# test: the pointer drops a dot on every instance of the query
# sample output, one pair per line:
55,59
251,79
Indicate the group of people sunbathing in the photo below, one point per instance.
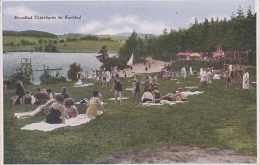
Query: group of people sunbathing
154,96
56,107
40,97
59,109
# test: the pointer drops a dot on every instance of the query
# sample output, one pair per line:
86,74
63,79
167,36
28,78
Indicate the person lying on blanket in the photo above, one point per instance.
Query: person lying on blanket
95,107
71,109
46,108
171,97
57,113
182,95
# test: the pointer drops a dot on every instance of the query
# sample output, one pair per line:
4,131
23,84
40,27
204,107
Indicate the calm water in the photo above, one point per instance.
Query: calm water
87,61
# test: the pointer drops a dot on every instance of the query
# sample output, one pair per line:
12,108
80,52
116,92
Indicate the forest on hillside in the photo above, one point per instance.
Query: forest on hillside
237,33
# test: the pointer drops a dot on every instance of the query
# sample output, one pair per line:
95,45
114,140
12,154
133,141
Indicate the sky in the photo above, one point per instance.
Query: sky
113,17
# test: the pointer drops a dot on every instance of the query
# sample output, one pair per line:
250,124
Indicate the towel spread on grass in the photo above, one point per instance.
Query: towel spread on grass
192,93
43,126
164,102
123,98
190,87
216,77
83,85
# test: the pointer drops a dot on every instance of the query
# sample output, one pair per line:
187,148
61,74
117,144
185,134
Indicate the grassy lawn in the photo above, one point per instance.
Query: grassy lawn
216,118
70,47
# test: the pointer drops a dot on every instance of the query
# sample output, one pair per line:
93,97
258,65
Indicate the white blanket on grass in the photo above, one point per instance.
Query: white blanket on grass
43,126
83,85
192,93
164,102
123,98
190,87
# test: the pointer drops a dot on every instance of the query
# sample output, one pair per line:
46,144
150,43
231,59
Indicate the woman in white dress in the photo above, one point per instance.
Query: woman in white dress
246,81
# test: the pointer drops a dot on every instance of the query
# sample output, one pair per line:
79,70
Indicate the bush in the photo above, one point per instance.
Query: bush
196,65
25,79
72,72
46,78
50,48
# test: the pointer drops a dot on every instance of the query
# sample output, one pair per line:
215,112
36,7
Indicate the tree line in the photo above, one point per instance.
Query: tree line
237,33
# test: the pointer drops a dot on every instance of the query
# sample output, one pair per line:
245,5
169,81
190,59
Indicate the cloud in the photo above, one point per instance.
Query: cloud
19,11
121,24
90,27
113,31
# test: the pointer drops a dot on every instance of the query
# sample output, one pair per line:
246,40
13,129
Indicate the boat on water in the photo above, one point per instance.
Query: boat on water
131,60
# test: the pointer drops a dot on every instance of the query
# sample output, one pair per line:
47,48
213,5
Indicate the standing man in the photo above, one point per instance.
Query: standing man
118,88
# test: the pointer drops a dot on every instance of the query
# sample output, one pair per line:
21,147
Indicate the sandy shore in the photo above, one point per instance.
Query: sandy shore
155,67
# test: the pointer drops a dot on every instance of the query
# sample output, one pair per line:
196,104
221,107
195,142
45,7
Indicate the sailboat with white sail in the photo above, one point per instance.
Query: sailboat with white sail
131,60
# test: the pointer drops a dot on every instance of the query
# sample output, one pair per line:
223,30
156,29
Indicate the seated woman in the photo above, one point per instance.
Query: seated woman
27,98
182,95
95,107
46,108
156,95
147,97
171,97
57,113
71,109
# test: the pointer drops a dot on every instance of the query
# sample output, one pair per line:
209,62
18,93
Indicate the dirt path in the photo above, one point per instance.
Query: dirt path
179,154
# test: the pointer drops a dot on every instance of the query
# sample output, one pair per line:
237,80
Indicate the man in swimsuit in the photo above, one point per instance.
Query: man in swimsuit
171,97
182,95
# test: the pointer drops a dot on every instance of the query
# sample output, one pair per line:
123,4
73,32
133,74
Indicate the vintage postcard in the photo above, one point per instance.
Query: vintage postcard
129,82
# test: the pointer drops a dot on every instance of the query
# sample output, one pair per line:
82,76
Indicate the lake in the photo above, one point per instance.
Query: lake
87,61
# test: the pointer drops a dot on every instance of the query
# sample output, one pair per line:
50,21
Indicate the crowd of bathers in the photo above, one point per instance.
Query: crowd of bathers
60,105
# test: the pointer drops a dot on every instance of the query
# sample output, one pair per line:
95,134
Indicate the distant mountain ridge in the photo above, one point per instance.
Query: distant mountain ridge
35,33
29,33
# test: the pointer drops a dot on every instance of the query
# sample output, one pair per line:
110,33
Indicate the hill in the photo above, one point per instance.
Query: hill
29,33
